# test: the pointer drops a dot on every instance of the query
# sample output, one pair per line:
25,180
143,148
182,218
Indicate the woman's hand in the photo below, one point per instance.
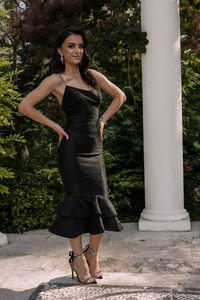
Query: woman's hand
111,89
61,133
101,128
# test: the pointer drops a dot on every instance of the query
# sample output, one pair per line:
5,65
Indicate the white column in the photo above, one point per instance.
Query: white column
162,119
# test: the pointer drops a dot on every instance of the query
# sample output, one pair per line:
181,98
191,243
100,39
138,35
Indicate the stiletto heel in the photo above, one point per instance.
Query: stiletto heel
93,251
71,262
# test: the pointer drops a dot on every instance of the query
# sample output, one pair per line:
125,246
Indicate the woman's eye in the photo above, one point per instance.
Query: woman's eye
73,46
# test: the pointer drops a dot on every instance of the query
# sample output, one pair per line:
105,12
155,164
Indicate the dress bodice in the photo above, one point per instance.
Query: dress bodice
81,103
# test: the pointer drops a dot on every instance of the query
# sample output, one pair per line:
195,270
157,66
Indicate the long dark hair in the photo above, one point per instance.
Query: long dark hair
57,66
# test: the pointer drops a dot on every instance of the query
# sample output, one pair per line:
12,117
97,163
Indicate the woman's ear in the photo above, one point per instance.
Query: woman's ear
59,51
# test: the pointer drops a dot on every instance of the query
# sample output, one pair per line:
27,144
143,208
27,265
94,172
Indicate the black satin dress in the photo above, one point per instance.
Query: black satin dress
86,207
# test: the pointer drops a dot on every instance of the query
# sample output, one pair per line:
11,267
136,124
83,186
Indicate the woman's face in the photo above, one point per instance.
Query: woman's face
72,49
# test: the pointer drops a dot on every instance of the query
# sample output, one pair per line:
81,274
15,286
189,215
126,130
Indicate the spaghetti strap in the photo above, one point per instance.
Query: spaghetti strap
62,79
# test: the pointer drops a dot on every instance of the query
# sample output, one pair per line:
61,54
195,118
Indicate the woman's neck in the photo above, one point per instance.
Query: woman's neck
72,71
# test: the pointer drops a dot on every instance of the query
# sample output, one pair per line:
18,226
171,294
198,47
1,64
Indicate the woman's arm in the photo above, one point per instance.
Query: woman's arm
118,96
26,107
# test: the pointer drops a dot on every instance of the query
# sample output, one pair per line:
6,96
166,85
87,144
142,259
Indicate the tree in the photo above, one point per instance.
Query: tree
190,24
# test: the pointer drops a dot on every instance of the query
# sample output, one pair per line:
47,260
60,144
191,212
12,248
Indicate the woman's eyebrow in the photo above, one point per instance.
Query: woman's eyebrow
74,43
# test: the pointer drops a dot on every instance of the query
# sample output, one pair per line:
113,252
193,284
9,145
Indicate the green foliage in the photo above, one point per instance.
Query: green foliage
191,128
191,79
9,100
118,30
3,14
34,197
31,203
126,187
190,23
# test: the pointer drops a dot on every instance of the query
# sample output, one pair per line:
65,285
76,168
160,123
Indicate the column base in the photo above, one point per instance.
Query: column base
165,224
3,239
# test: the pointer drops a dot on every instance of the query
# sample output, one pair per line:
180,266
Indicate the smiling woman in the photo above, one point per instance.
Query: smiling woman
86,207
71,48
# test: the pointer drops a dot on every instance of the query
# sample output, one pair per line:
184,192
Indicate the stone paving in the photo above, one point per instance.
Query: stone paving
130,258
102,292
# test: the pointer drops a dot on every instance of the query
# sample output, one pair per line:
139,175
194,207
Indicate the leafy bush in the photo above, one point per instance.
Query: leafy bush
32,201
9,100
126,187
191,130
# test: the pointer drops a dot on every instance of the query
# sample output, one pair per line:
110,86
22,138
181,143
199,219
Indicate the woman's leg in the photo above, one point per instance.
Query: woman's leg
94,242
80,264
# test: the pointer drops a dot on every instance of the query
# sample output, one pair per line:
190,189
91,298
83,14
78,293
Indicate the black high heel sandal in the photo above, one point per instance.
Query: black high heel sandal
71,262
93,251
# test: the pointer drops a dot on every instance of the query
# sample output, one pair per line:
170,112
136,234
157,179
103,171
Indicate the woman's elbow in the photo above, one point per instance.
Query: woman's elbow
123,97
22,108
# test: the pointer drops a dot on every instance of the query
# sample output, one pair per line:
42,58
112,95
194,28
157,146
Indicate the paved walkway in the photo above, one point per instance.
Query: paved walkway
137,265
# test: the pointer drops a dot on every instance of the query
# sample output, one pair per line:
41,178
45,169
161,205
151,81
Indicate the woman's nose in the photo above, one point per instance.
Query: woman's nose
77,50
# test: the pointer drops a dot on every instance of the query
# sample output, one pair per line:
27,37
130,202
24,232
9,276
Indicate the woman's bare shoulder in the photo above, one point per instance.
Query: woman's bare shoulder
52,80
100,78
105,84
94,72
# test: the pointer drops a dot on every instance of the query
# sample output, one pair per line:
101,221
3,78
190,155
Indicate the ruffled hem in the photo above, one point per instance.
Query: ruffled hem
73,227
83,207
79,215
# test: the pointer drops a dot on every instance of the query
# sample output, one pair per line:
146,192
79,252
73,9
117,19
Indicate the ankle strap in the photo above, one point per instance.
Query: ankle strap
72,255
93,251
88,248
79,256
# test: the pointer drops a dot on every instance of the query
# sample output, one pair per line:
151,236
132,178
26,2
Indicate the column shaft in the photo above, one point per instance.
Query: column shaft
162,118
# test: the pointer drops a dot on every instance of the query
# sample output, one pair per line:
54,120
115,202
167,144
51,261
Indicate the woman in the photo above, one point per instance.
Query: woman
86,207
